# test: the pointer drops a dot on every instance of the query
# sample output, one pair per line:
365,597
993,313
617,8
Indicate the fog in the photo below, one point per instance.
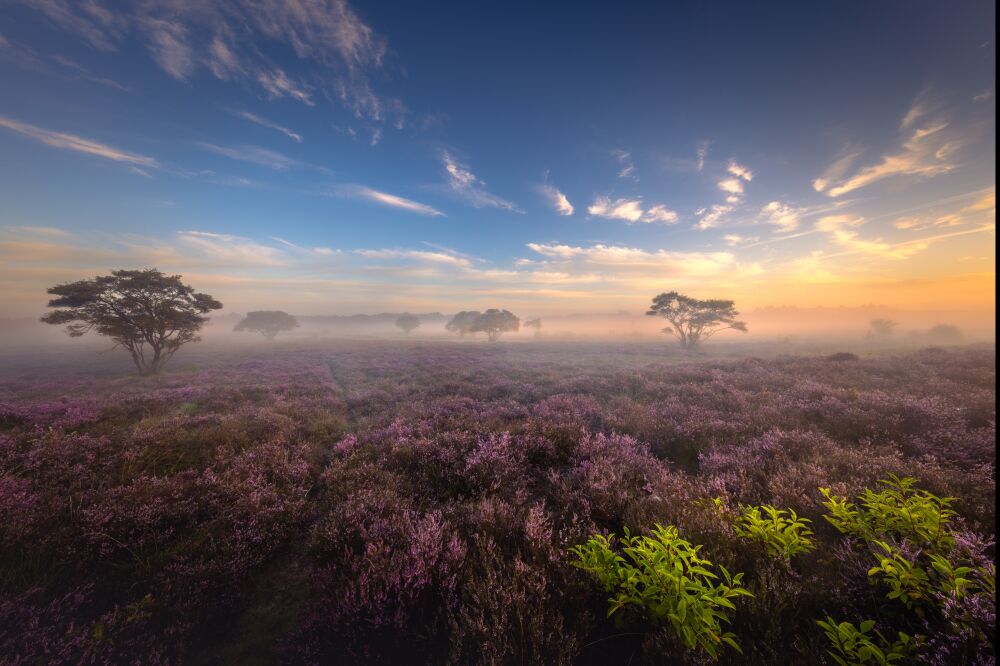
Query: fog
28,344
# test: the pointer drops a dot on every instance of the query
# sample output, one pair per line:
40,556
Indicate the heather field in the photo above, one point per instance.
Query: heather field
387,502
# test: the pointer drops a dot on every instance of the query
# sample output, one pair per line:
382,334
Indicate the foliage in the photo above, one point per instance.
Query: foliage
407,322
783,533
899,510
267,322
693,321
461,323
858,645
883,327
664,577
494,322
144,311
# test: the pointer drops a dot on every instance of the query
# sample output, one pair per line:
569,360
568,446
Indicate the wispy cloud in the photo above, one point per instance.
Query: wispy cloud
466,185
925,152
701,154
220,36
264,122
626,167
559,202
843,232
386,199
227,248
631,211
84,73
835,171
260,156
740,171
77,144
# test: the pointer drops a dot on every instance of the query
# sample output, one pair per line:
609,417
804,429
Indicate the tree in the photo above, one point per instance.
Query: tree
694,321
267,322
882,328
462,322
407,322
144,311
494,322
536,324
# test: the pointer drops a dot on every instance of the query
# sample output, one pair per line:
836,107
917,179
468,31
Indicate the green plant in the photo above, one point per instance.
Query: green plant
664,577
898,509
854,646
907,581
781,531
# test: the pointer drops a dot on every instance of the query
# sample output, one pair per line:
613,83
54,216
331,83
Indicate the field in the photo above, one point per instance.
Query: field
407,502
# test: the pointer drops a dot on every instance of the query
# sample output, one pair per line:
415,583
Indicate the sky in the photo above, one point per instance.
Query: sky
326,157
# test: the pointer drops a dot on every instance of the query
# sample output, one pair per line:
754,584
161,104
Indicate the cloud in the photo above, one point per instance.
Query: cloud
278,85
264,122
660,213
386,199
557,199
614,259
221,36
731,185
924,152
983,96
465,184
835,171
842,230
702,154
983,209
231,249
740,171
631,211
626,166
781,215
710,217
86,74
259,156
440,258
77,144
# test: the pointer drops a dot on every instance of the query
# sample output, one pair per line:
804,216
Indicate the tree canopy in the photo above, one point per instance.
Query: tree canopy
883,327
494,322
693,321
267,322
461,323
407,322
144,311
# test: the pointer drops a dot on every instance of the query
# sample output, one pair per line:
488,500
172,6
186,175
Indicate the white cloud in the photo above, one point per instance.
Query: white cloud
559,202
842,230
631,211
710,217
77,144
702,154
168,42
740,171
264,122
278,85
781,215
387,199
660,213
983,96
731,185
465,184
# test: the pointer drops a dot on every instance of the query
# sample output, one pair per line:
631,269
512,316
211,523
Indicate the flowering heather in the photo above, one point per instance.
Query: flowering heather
365,502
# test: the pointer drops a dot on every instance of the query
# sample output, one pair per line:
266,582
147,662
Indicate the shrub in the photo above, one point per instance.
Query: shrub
664,577
852,646
781,531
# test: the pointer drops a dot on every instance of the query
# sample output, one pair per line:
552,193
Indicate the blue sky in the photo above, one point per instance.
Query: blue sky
339,157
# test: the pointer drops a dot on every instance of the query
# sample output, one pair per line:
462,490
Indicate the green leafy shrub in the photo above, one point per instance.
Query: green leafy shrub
664,578
899,510
854,646
781,531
